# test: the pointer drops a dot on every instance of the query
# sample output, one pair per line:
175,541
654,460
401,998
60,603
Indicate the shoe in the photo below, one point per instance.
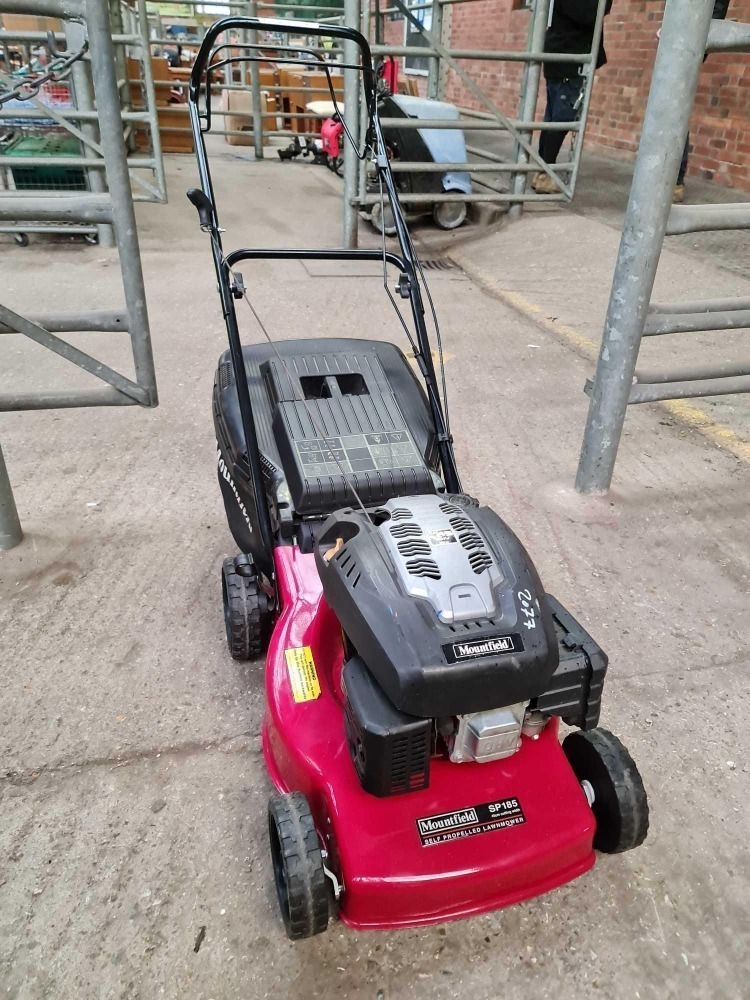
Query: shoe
544,184
678,195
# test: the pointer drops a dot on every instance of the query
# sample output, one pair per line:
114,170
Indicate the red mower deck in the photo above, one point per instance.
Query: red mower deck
391,879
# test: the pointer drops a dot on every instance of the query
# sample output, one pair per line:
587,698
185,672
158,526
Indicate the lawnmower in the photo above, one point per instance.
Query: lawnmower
402,143
416,670
424,145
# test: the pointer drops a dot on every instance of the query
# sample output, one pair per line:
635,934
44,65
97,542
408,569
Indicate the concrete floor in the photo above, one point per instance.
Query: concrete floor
558,268
132,789
602,192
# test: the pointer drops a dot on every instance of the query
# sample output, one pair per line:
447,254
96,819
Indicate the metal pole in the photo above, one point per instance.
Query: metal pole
10,526
364,28
351,110
528,99
446,28
104,73
252,10
159,25
84,101
149,100
678,61
433,72
115,23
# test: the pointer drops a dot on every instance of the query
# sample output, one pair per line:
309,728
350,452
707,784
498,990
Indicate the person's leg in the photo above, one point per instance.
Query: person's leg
563,101
565,108
543,135
684,162
679,188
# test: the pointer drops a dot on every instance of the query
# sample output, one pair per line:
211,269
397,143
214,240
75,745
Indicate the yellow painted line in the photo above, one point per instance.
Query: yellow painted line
447,356
721,435
522,305
681,409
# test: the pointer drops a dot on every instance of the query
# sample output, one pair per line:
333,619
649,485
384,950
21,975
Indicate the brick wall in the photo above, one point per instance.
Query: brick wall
720,124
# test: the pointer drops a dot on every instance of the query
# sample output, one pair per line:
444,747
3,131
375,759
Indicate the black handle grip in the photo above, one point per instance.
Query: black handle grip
201,201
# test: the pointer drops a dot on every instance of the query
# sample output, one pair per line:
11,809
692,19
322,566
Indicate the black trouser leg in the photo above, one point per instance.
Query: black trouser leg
684,162
563,101
550,144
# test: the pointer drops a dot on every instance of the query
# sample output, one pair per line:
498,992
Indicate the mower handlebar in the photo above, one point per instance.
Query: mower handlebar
281,24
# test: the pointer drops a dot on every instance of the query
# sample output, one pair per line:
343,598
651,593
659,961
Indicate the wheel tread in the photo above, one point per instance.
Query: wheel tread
246,620
307,891
633,812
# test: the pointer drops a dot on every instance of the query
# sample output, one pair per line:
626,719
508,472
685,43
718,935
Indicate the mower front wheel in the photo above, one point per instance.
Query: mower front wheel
619,805
247,611
297,866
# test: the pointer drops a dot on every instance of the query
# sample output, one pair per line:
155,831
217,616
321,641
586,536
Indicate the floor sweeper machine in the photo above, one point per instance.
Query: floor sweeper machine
416,671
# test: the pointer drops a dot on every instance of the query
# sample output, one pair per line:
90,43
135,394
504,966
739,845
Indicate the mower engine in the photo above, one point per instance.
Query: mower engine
453,646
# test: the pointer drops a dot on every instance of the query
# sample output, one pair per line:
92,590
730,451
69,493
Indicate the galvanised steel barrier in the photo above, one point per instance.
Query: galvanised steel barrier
525,159
485,166
113,208
687,34
81,121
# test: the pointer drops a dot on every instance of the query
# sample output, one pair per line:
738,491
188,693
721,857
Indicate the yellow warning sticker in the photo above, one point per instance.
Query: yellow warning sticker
302,673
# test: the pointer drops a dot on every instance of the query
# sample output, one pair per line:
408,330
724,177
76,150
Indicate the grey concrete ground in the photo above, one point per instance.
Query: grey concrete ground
132,790
559,268
602,194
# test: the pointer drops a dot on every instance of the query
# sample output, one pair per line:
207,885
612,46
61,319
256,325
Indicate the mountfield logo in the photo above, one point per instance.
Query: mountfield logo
502,645
446,827
493,645
448,821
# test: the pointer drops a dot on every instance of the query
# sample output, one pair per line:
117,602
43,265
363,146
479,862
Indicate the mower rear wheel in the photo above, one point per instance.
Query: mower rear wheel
449,214
297,866
620,805
247,614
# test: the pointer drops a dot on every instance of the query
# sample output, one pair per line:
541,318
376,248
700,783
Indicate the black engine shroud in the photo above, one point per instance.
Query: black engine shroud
430,667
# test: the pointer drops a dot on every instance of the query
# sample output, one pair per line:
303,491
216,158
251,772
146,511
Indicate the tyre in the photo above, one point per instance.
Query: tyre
297,866
22,239
449,214
382,219
247,611
620,805
336,164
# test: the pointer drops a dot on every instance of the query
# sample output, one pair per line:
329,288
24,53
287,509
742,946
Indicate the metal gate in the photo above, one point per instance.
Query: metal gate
115,209
687,34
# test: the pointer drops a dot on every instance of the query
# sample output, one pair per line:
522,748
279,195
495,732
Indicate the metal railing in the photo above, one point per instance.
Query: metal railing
486,166
82,119
115,209
524,158
687,34
259,132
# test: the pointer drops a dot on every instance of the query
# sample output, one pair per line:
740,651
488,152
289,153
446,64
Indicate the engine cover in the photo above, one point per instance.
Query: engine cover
442,603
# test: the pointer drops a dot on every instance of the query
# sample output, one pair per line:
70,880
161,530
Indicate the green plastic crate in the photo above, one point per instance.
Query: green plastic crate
40,178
